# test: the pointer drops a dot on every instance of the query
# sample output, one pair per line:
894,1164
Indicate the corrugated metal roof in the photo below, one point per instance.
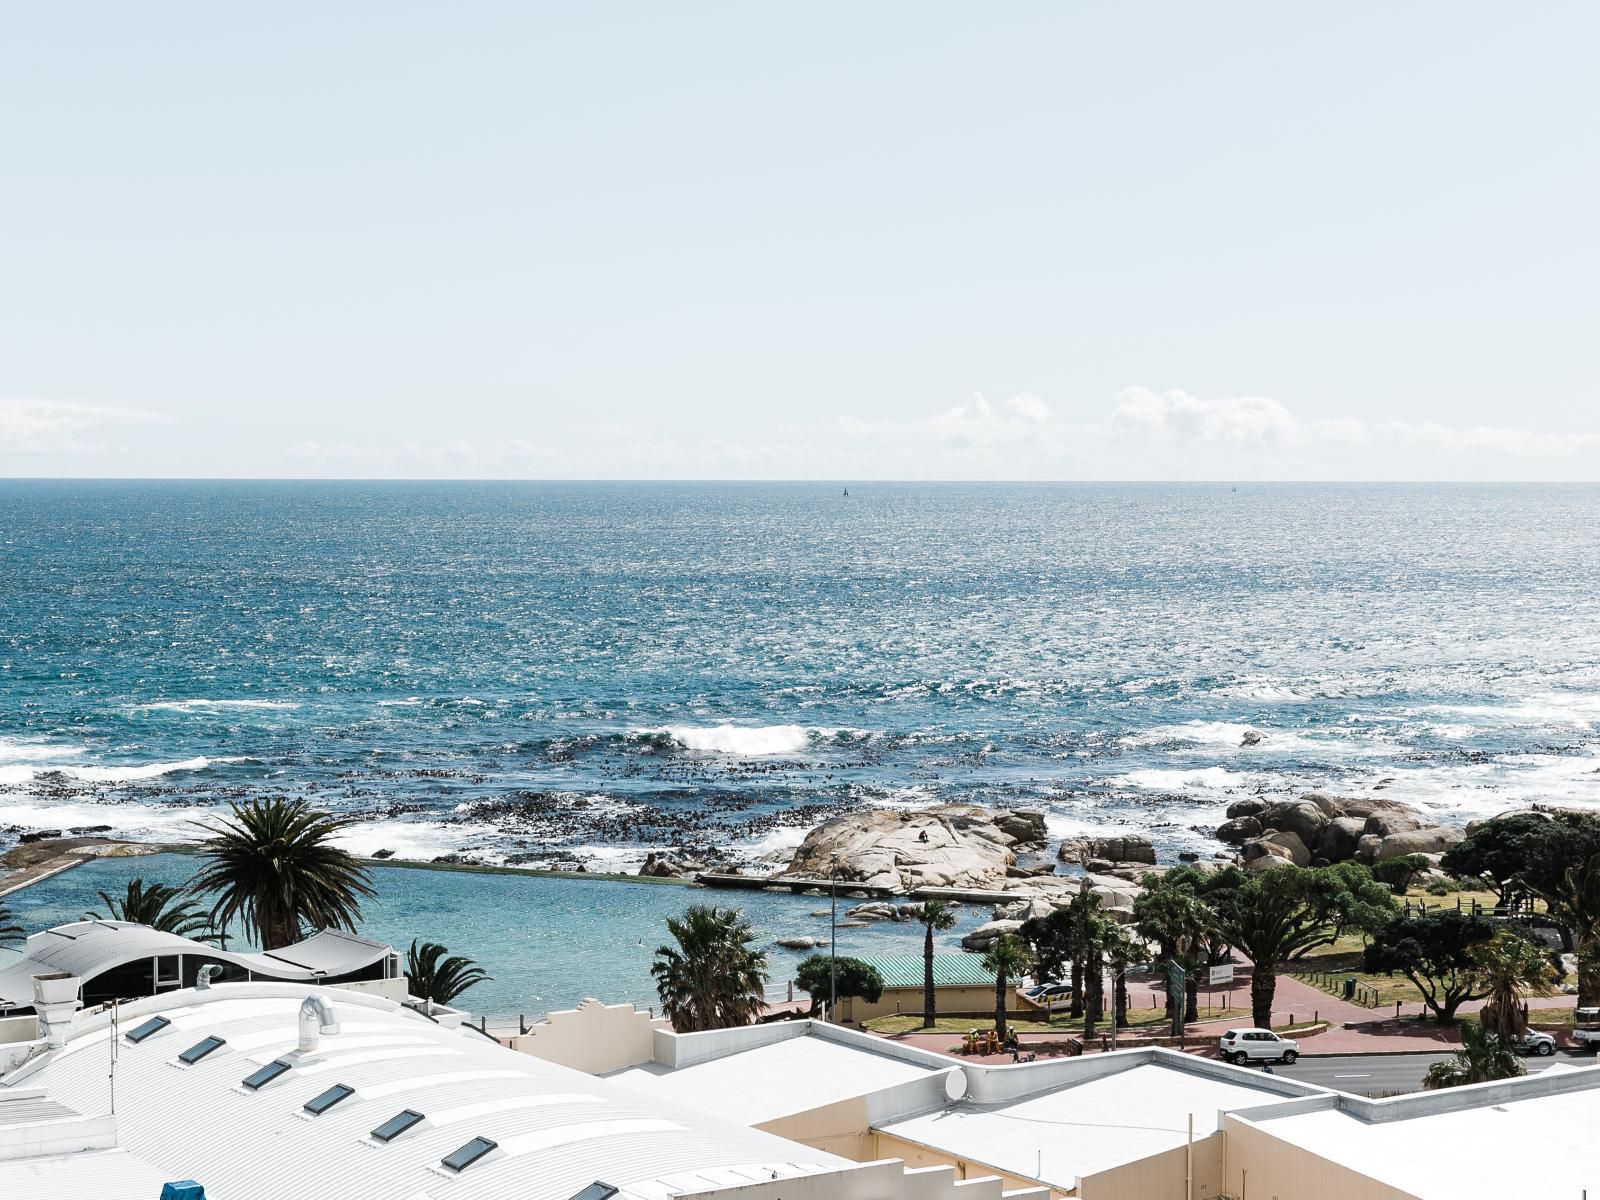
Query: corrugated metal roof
199,1123
949,970
101,1174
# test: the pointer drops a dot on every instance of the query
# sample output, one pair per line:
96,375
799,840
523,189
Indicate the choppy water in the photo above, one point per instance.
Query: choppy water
532,672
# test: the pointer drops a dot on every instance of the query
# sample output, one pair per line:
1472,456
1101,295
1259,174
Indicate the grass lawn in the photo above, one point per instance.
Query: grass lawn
1343,958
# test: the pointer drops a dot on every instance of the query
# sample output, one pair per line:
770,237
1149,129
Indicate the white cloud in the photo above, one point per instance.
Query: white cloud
1141,434
29,425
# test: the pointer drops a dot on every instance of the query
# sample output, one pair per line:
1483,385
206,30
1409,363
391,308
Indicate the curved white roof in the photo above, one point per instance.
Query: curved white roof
88,948
557,1130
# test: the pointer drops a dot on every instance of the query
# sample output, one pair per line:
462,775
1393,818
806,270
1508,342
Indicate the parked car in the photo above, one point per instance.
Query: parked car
1043,993
1587,1031
1245,1045
1534,1042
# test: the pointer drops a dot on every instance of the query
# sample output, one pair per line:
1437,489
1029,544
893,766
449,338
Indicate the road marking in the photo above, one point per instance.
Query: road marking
1352,1076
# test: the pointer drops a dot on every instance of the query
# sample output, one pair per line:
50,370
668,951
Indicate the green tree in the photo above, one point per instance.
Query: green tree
714,978
1511,967
160,906
818,975
1574,902
1008,958
1434,953
1170,913
436,975
1275,916
1482,1057
1501,849
10,931
276,869
1396,873
934,915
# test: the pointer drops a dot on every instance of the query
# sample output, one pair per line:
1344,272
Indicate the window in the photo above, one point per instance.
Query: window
596,1191
266,1074
396,1125
460,1160
153,1025
321,1103
200,1049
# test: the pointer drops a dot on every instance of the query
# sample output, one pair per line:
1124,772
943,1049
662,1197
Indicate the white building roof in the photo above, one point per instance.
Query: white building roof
771,1081
90,948
1539,1146
102,1174
1063,1134
557,1130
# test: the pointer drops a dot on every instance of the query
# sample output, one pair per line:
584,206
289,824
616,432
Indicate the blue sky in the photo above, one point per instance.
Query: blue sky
820,241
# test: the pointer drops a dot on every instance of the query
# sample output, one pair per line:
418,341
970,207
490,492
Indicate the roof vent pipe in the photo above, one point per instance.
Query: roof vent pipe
316,1016
55,999
204,976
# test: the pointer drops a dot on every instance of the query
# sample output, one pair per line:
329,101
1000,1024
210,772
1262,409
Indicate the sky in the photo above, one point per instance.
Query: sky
822,241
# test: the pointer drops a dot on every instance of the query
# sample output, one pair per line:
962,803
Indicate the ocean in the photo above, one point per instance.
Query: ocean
550,674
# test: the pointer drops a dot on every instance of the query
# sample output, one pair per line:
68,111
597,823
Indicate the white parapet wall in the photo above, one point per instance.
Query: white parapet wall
594,1037
888,1179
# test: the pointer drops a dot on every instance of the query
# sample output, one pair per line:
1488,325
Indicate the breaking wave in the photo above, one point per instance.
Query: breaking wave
23,773
744,741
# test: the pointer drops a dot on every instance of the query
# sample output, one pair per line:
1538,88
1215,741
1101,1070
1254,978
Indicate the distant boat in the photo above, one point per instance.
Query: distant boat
847,493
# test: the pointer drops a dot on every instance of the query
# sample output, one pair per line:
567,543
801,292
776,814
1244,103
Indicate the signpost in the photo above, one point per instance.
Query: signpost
1222,974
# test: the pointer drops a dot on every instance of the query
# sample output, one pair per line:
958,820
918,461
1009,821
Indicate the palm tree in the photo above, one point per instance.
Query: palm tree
1170,914
714,977
1008,958
440,982
159,906
1511,967
934,914
10,931
1482,1057
1575,903
1269,918
274,867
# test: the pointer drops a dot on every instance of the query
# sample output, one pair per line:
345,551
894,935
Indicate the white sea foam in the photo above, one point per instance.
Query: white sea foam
741,741
202,704
23,773
12,749
1180,779
144,822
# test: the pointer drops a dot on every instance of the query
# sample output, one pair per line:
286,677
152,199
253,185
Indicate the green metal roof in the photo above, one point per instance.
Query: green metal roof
905,970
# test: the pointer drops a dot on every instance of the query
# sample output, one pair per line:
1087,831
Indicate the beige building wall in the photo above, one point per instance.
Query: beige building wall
914,1154
1262,1167
594,1037
976,1000
843,1129
1161,1176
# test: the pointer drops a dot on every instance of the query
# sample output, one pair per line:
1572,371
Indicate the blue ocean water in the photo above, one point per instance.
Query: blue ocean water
546,673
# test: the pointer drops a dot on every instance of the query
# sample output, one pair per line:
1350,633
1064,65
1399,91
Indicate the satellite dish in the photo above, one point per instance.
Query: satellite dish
955,1083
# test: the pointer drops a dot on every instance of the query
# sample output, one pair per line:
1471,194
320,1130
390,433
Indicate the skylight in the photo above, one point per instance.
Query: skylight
396,1125
322,1102
153,1025
596,1191
266,1074
200,1049
460,1160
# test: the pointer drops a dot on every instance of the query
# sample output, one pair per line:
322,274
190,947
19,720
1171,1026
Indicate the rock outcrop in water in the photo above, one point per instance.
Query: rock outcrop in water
953,845
1317,829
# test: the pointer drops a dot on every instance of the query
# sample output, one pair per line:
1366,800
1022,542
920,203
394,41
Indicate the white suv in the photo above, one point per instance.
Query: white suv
1242,1045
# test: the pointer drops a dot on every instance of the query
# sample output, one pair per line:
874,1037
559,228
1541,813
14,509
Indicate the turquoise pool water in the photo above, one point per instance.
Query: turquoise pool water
547,942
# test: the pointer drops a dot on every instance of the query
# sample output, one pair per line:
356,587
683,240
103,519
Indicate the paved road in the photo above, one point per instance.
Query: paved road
1390,1074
